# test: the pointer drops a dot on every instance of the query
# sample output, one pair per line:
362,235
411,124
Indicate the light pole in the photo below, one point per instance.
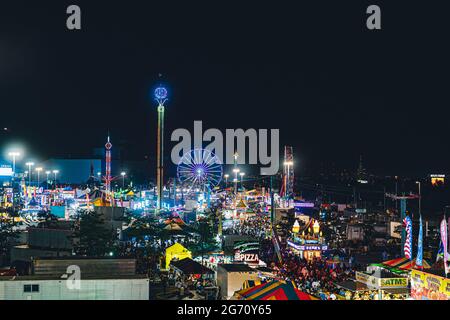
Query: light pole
226,176
29,164
14,154
123,179
235,180
160,95
242,176
47,173
396,192
55,172
38,170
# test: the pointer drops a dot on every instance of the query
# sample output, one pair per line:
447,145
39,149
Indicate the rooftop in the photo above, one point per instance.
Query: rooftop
85,277
237,267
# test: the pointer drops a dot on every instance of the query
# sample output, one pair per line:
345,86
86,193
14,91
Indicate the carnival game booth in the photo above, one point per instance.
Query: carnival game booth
273,290
401,267
307,242
377,284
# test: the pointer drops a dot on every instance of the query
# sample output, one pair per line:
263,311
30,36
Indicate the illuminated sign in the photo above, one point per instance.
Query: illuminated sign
303,205
247,252
394,282
6,171
437,179
381,283
308,247
426,286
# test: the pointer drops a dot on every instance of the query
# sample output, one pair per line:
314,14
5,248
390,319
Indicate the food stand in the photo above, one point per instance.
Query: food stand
309,243
429,285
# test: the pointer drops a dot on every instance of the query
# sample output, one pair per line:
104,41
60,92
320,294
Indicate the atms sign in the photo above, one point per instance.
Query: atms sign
247,252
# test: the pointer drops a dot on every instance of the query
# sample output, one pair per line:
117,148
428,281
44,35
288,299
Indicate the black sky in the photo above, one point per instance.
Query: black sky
333,88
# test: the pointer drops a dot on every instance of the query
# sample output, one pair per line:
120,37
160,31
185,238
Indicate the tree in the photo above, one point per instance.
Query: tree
7,234
93,237
140,228
207,242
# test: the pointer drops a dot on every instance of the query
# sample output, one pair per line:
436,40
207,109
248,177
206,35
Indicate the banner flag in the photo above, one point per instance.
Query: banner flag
444,240
419,257
407,249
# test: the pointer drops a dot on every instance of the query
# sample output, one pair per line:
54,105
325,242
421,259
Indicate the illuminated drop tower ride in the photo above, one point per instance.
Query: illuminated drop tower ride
161,98
108,147
288,172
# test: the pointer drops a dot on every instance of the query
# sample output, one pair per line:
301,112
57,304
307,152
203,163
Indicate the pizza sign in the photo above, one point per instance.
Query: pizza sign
247,252
246,257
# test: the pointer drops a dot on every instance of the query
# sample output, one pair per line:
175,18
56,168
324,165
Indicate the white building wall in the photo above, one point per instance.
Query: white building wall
104,289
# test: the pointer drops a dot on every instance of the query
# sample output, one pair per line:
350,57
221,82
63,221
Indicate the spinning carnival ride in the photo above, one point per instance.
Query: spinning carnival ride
199,169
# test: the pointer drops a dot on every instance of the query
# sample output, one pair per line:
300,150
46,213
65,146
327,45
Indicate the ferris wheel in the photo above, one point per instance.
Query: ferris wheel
199,168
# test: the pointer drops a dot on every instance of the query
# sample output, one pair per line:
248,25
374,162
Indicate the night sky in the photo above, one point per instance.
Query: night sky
334,89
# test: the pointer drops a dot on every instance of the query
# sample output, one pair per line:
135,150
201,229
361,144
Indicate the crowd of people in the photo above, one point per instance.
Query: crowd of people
257,226
315,276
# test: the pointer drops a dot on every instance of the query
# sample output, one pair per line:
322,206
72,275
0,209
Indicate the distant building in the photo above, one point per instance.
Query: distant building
101,279
355,232
53,240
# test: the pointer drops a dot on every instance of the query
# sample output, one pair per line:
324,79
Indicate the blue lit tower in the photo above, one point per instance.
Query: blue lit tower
160,97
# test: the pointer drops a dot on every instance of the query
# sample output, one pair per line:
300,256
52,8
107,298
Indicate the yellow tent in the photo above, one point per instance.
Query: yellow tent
130,193
241,205
176,251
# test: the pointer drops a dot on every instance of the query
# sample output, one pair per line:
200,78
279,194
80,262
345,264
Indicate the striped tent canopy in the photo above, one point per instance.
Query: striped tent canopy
404,264
274,290
251,283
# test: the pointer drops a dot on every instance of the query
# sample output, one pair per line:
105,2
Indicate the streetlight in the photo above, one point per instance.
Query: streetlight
236,171
29,164
242,175
38,170
123,179
226,176
55,172
47,174
14,154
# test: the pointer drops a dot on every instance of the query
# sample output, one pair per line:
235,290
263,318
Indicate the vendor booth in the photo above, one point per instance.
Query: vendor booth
402,264
388,285
309,242
176,251
429,285
190,269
